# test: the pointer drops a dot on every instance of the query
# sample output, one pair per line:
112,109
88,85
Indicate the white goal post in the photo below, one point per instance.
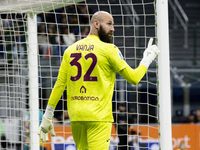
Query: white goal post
33,80
164,75
141,33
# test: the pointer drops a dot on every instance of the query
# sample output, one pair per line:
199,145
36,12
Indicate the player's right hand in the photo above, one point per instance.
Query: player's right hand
150,53
45,127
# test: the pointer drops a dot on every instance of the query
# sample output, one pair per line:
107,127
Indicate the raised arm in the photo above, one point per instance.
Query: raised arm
134,76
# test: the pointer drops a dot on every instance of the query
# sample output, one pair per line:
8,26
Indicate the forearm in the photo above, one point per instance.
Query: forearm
60,84
47,124
133,76
57,91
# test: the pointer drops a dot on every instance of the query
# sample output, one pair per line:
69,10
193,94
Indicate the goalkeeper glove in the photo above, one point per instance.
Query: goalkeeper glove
149,54
46,125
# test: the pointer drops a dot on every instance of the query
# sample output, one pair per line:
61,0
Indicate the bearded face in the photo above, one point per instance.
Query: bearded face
105,37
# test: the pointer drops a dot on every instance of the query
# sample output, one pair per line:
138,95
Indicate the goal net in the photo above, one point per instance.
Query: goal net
30,56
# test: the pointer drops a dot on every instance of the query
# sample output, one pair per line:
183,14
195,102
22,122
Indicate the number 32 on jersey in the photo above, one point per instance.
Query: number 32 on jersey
87,76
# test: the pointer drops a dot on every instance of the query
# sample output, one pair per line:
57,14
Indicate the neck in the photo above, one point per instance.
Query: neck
93,33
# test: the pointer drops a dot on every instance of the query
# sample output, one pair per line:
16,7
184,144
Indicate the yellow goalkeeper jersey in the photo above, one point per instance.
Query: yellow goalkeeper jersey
88,69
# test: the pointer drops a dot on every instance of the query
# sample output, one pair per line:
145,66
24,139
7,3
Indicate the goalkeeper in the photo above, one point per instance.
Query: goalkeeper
88,71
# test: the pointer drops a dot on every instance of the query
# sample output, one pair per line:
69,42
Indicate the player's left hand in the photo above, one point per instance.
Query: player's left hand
150,53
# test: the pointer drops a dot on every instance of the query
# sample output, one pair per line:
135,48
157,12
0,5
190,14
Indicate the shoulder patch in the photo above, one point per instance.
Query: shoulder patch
120,55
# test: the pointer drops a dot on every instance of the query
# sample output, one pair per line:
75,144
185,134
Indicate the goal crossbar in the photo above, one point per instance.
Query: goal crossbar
33,6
